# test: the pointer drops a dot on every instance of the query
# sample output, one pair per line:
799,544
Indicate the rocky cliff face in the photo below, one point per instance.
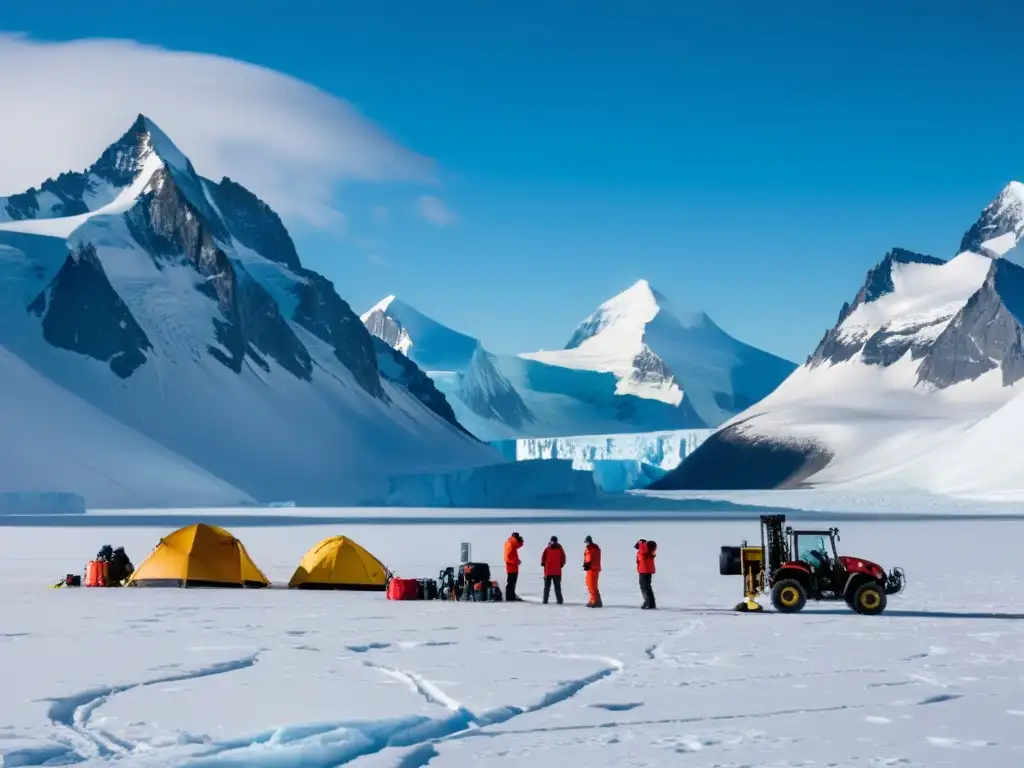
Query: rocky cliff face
327,316
1000,225
885,345
170,228
985,334
81,312
403,372
253,223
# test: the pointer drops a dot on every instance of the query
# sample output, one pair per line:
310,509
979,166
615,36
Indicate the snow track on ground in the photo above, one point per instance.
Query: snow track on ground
281,678
72,715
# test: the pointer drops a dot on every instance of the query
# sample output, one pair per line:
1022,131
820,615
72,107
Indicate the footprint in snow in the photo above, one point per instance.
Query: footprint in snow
625,707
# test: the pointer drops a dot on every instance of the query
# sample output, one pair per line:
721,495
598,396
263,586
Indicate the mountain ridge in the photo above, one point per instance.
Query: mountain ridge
927,349
191,296
508,396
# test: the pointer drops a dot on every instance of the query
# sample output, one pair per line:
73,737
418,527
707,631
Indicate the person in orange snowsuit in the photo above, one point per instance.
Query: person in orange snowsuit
552,560
645,554
592,565
512,545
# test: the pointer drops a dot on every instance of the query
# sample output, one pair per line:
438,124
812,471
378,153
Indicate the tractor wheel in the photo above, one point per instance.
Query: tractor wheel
788,596
869,599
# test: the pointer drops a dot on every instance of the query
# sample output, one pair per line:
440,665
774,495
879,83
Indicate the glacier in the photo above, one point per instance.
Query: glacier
524,483
42,503
619,462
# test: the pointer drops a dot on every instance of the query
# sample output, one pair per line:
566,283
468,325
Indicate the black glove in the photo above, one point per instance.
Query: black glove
586,566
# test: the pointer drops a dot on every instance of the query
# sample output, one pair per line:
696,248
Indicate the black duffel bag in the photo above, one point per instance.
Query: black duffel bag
428,589
477,572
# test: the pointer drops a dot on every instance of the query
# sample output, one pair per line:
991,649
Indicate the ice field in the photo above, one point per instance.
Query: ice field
152,677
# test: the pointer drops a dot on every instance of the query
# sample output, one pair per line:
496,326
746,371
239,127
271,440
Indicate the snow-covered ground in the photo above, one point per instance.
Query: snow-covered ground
277,678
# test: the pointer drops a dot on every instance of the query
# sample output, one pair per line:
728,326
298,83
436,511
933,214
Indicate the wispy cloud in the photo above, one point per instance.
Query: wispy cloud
289,142
381,215
435,211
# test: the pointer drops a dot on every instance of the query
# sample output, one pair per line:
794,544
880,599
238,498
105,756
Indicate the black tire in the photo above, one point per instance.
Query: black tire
869,599
729,562
789,596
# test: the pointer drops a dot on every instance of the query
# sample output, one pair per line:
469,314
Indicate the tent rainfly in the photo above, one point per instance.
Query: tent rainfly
198,555
339,563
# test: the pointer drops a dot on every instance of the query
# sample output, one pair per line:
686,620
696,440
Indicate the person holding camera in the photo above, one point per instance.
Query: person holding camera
645,554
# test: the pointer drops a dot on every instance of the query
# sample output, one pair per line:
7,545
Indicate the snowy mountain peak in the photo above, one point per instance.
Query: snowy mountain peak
386,327
190,294
657,352
1001,225
380,306
629,312
124,167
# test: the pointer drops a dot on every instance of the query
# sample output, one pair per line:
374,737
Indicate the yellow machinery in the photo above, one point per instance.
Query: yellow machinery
752,569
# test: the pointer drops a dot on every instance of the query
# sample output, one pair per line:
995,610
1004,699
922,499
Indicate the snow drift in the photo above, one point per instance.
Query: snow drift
915,387
179,307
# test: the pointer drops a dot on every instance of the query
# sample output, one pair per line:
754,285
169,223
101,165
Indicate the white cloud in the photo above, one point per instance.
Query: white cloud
434,210
286,140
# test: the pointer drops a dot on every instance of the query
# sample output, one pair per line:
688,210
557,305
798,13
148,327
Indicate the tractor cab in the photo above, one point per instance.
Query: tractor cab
816,552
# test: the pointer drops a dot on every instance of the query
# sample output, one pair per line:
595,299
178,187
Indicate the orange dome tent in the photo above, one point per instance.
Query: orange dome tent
339,563
198,555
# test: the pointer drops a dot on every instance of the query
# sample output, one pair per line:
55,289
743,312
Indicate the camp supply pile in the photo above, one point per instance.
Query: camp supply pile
111,568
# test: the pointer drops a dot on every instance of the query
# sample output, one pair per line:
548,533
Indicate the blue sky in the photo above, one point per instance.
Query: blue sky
750,159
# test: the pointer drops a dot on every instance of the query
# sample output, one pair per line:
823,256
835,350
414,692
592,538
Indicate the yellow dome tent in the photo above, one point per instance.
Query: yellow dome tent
339,563
198,555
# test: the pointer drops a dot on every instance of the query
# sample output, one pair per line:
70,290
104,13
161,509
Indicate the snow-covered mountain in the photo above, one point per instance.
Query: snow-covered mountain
658,352
633,366
924,357
178,306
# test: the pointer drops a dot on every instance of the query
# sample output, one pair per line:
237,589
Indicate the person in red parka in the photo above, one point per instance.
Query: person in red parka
552,559
512,545
592,565
645,554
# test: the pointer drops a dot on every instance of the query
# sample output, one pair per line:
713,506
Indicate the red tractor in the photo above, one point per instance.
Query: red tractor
798,566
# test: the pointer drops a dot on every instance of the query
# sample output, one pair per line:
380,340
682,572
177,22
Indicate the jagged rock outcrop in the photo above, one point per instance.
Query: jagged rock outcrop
171,228
253,223
81,312
400,370
985,334
882,346
322,312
